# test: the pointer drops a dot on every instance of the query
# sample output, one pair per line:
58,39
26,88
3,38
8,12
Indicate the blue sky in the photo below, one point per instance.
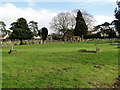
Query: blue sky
38,11
94,8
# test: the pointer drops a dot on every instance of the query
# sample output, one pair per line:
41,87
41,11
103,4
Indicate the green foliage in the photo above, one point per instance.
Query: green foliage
56,36
6,31
60,65
117,16
89,36
117,11
118,26
105,24
39,33
2,27
105,29
111,33
3,30
81,27
44,33
21,30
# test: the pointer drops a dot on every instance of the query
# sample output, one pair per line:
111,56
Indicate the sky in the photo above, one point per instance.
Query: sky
42,11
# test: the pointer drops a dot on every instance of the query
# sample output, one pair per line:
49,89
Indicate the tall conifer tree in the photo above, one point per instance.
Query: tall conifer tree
117,16
81,28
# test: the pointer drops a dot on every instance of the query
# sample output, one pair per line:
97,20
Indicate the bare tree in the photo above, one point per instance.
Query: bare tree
89,20
63,21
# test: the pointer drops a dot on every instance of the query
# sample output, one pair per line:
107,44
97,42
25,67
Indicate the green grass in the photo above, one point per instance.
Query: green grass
60,65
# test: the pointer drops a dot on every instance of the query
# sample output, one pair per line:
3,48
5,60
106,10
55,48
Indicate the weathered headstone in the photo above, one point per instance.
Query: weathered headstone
97,49
12,50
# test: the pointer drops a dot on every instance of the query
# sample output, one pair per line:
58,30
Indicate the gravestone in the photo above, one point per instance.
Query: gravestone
84,50
97,49
12,50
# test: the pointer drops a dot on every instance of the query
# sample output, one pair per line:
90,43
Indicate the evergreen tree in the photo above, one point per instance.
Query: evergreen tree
21,30
117,16
43,33
2,27
81,28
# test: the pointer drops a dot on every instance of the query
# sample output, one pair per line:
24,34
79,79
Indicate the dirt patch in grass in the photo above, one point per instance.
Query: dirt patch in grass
72,60
84,50
117,82
67,69
97,66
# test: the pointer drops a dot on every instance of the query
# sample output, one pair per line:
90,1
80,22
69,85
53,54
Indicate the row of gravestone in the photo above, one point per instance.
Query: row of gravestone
26,42
29,42
98,39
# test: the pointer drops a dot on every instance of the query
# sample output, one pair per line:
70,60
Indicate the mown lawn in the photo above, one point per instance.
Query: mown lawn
60,65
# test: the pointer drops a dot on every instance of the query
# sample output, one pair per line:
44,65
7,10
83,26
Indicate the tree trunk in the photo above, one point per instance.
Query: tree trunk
43,41
21,42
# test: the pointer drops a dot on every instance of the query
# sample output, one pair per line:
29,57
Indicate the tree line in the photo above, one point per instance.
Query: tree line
22,30
108,30
69,21
81,23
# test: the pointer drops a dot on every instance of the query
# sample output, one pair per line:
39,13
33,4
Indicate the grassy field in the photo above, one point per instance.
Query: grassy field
60,65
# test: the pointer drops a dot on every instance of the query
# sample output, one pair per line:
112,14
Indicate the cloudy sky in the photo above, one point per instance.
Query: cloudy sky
42,11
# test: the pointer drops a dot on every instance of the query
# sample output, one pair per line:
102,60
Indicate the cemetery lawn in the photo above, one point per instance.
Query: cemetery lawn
60,65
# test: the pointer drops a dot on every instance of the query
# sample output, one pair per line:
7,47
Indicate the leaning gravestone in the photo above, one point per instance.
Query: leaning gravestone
12,51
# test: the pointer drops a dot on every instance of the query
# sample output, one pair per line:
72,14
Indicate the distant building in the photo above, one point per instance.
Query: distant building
68,35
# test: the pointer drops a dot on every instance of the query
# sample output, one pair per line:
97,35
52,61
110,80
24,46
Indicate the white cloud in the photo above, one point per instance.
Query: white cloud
100,19
10,13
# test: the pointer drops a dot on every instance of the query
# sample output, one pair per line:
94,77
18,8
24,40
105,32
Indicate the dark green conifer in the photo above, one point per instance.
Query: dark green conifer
81,28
